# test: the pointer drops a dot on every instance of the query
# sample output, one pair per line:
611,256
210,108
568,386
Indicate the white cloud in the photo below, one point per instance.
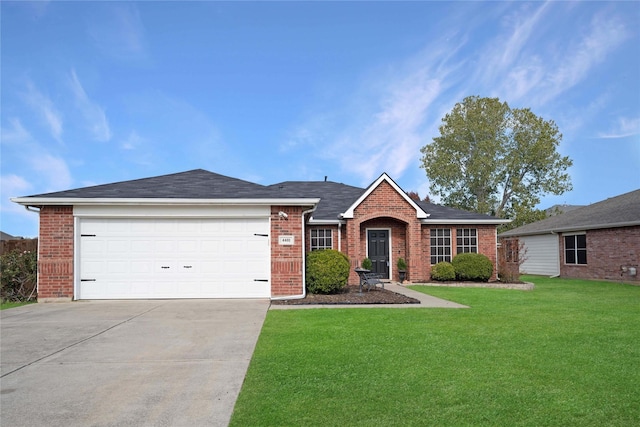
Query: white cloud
604,35
47,171
94,115
14,185
44,107
132,141
51,169
623,127
119,32
16,133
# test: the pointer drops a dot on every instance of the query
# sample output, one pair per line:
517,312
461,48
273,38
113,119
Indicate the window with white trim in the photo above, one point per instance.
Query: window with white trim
321,238
440,245
575,249
466,240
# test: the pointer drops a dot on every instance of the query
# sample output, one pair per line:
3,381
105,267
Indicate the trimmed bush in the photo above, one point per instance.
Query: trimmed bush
327,271
443,271
473,267
367,264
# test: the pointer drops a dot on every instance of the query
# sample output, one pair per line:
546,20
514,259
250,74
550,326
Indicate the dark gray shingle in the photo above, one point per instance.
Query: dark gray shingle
613,212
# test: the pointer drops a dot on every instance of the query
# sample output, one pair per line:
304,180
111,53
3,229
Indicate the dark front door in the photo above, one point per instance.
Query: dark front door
378,243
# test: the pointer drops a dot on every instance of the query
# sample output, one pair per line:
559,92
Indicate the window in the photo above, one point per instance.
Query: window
440,245
321,239
575,249
466,240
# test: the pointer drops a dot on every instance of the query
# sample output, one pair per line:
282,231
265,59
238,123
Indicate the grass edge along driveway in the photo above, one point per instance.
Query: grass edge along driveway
566,353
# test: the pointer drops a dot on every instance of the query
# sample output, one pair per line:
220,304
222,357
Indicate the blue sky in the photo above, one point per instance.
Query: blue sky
95,92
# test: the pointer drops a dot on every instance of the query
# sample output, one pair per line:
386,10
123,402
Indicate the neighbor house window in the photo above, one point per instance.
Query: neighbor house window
440,245
321,239
466,240
575,249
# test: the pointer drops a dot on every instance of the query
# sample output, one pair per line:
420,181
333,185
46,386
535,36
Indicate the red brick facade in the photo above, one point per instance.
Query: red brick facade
383,208
608,251
55,254
286,260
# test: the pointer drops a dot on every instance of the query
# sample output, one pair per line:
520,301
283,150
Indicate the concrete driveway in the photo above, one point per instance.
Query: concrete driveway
126,363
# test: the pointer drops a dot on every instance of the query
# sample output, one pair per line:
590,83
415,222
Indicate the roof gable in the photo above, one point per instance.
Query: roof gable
420,213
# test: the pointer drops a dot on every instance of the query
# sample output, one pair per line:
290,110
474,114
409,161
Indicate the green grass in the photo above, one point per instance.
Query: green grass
564,354
6,305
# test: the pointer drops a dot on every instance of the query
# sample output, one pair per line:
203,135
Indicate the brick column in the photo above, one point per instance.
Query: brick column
55,254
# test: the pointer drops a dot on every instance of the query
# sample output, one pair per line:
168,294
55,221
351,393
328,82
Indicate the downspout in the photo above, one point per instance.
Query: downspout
495,234
304,266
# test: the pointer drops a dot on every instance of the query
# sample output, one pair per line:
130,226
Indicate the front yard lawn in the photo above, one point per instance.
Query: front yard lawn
566,353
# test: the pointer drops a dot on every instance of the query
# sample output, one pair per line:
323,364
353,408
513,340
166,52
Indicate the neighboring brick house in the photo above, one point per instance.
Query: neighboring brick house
198,234
599,241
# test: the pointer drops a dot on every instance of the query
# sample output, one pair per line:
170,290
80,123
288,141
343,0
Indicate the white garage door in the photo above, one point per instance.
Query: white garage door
542,255
174,258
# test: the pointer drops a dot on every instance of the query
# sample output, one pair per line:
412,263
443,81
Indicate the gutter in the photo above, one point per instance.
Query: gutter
304,266
80,201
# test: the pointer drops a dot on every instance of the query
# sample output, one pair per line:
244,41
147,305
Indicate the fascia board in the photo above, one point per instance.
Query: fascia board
348,214
313,221
466,221
573,228
62,201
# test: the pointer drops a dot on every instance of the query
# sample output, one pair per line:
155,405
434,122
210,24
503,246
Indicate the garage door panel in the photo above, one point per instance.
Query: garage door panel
174,258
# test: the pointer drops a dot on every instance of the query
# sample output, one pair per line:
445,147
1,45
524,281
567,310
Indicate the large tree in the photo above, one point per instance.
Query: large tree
493,159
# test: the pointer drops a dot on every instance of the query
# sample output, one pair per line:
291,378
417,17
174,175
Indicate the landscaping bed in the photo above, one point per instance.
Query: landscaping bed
351,295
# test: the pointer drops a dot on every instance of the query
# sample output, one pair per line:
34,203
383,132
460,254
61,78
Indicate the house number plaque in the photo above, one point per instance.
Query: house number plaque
286,240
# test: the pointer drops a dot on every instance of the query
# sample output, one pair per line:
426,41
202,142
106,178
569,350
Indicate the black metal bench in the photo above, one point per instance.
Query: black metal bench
369,279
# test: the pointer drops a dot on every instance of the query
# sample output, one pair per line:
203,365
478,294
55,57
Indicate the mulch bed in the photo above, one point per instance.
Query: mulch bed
351,295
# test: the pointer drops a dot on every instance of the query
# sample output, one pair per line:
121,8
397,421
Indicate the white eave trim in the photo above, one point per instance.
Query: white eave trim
580,228
466,221
313,221
72,201
420,214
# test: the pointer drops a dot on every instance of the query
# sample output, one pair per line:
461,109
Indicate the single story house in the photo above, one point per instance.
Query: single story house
598,241
198,234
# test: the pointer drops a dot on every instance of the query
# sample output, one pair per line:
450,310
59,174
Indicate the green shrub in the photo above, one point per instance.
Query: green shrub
473,267
367,264
401,264
18,275
443,271
327,271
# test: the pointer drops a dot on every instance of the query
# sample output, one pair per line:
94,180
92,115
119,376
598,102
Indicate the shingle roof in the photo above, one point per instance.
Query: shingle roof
439,212
193,184
335,198
619,211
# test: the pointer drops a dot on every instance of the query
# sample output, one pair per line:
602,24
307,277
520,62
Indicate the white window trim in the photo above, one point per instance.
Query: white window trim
311,247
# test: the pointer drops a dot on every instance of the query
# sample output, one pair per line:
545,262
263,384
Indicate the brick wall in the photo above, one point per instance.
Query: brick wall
286,261
385,208
486,235
55,257
608,250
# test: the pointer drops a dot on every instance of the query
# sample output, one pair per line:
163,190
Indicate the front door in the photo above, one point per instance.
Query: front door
378,252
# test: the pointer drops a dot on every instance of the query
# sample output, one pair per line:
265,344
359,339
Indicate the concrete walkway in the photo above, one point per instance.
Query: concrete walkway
126,363
426,301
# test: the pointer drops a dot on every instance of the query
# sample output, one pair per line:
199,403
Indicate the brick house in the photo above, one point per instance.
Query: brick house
198,234
598,241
